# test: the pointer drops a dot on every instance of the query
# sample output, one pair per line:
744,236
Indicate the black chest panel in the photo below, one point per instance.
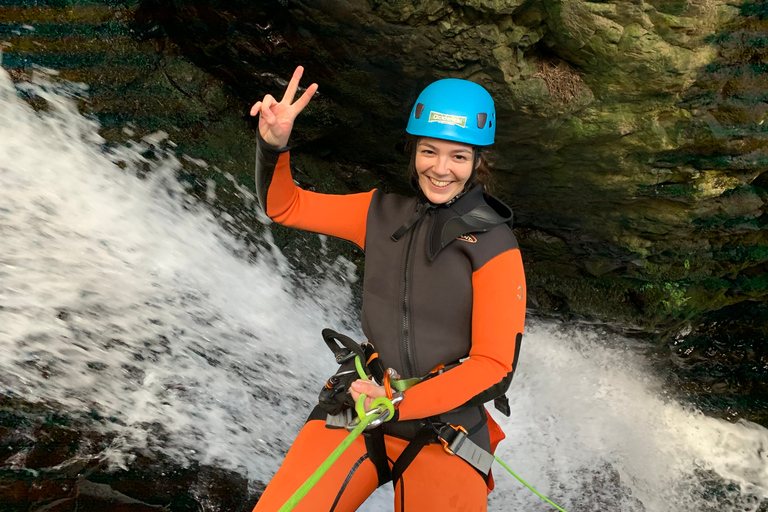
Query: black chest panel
417,308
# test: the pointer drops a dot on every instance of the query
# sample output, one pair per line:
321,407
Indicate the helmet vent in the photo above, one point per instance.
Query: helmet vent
419,110
481,118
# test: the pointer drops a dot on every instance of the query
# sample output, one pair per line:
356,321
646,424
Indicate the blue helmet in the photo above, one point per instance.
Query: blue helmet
453,109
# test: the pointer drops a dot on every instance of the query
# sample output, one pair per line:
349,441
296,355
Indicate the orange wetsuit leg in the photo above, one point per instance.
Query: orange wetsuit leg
436,480
312,446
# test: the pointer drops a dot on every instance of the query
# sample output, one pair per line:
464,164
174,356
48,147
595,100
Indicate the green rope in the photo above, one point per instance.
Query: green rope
376,404
359,367
525,484
325,466
379,404
378,407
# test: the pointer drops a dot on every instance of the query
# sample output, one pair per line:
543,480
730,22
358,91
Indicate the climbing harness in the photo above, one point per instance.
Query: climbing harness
361,361
381,410
355,360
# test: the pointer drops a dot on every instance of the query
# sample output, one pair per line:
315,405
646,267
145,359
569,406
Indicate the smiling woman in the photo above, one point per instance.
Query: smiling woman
443,304
443,168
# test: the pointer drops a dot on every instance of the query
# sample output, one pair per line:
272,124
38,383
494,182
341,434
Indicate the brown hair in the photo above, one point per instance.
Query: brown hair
481,174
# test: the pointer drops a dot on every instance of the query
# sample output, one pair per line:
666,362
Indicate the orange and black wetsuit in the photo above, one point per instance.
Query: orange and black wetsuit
444,285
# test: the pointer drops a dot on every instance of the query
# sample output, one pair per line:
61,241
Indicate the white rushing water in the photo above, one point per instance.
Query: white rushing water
124,296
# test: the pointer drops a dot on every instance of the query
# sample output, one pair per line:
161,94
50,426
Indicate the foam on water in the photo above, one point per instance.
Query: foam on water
124,296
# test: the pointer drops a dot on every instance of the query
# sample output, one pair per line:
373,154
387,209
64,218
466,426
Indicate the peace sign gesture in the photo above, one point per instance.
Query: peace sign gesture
276,119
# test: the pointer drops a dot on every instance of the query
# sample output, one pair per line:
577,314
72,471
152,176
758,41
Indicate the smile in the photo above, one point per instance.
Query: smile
439,183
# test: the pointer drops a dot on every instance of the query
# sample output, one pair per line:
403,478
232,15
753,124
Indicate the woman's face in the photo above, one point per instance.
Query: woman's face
443,168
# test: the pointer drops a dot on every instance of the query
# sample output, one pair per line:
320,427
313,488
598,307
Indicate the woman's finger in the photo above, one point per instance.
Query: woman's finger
293,86
369,388
255,108
304,99
266,109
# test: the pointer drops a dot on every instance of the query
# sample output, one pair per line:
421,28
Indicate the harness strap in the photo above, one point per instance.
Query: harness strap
433,432
377,452
422,439
480,424
404,384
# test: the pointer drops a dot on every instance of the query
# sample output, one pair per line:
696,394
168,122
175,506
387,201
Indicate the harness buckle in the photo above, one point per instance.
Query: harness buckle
457,439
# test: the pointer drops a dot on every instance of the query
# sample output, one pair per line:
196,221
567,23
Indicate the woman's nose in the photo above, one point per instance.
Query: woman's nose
442,166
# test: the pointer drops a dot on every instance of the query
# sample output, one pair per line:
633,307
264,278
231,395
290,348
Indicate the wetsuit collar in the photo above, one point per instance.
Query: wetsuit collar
473,212
470,212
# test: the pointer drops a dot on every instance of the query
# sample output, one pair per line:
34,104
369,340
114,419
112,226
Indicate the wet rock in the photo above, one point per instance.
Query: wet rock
631,132
593,99
54,462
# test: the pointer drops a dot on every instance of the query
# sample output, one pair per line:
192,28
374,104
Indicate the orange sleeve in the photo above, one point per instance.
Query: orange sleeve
498,315
342,216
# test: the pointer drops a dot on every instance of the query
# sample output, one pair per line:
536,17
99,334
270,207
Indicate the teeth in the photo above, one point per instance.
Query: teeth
439,183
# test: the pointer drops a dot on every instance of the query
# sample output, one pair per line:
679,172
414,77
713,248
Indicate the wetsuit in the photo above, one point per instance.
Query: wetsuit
444,285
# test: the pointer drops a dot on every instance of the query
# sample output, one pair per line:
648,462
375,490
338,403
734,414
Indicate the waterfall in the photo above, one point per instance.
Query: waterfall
122,294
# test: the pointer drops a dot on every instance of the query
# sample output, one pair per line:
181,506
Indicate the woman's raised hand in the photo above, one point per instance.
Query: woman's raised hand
276,119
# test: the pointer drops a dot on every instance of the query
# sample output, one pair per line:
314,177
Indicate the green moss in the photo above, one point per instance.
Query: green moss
757,285
754,9
673,8
741,254
672,269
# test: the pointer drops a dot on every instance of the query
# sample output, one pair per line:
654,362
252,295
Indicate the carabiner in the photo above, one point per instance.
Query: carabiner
382,411
383,415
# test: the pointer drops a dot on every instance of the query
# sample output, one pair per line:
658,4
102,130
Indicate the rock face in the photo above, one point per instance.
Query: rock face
630,138
55,462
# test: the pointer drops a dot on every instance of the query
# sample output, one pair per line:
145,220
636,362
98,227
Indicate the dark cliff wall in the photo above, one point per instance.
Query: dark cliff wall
631,136
630,143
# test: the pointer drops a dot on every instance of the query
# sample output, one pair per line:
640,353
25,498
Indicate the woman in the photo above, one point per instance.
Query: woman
443,298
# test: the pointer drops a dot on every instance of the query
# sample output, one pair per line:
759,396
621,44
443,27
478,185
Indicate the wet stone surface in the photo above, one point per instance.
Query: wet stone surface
50,462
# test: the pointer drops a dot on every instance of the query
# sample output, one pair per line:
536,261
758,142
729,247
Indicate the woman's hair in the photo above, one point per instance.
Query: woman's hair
481,174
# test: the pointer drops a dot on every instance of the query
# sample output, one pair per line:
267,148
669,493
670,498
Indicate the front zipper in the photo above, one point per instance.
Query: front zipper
407,355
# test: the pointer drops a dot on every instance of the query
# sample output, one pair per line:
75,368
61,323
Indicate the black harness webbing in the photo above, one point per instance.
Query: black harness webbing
422,439
457,442
430,433
377,451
